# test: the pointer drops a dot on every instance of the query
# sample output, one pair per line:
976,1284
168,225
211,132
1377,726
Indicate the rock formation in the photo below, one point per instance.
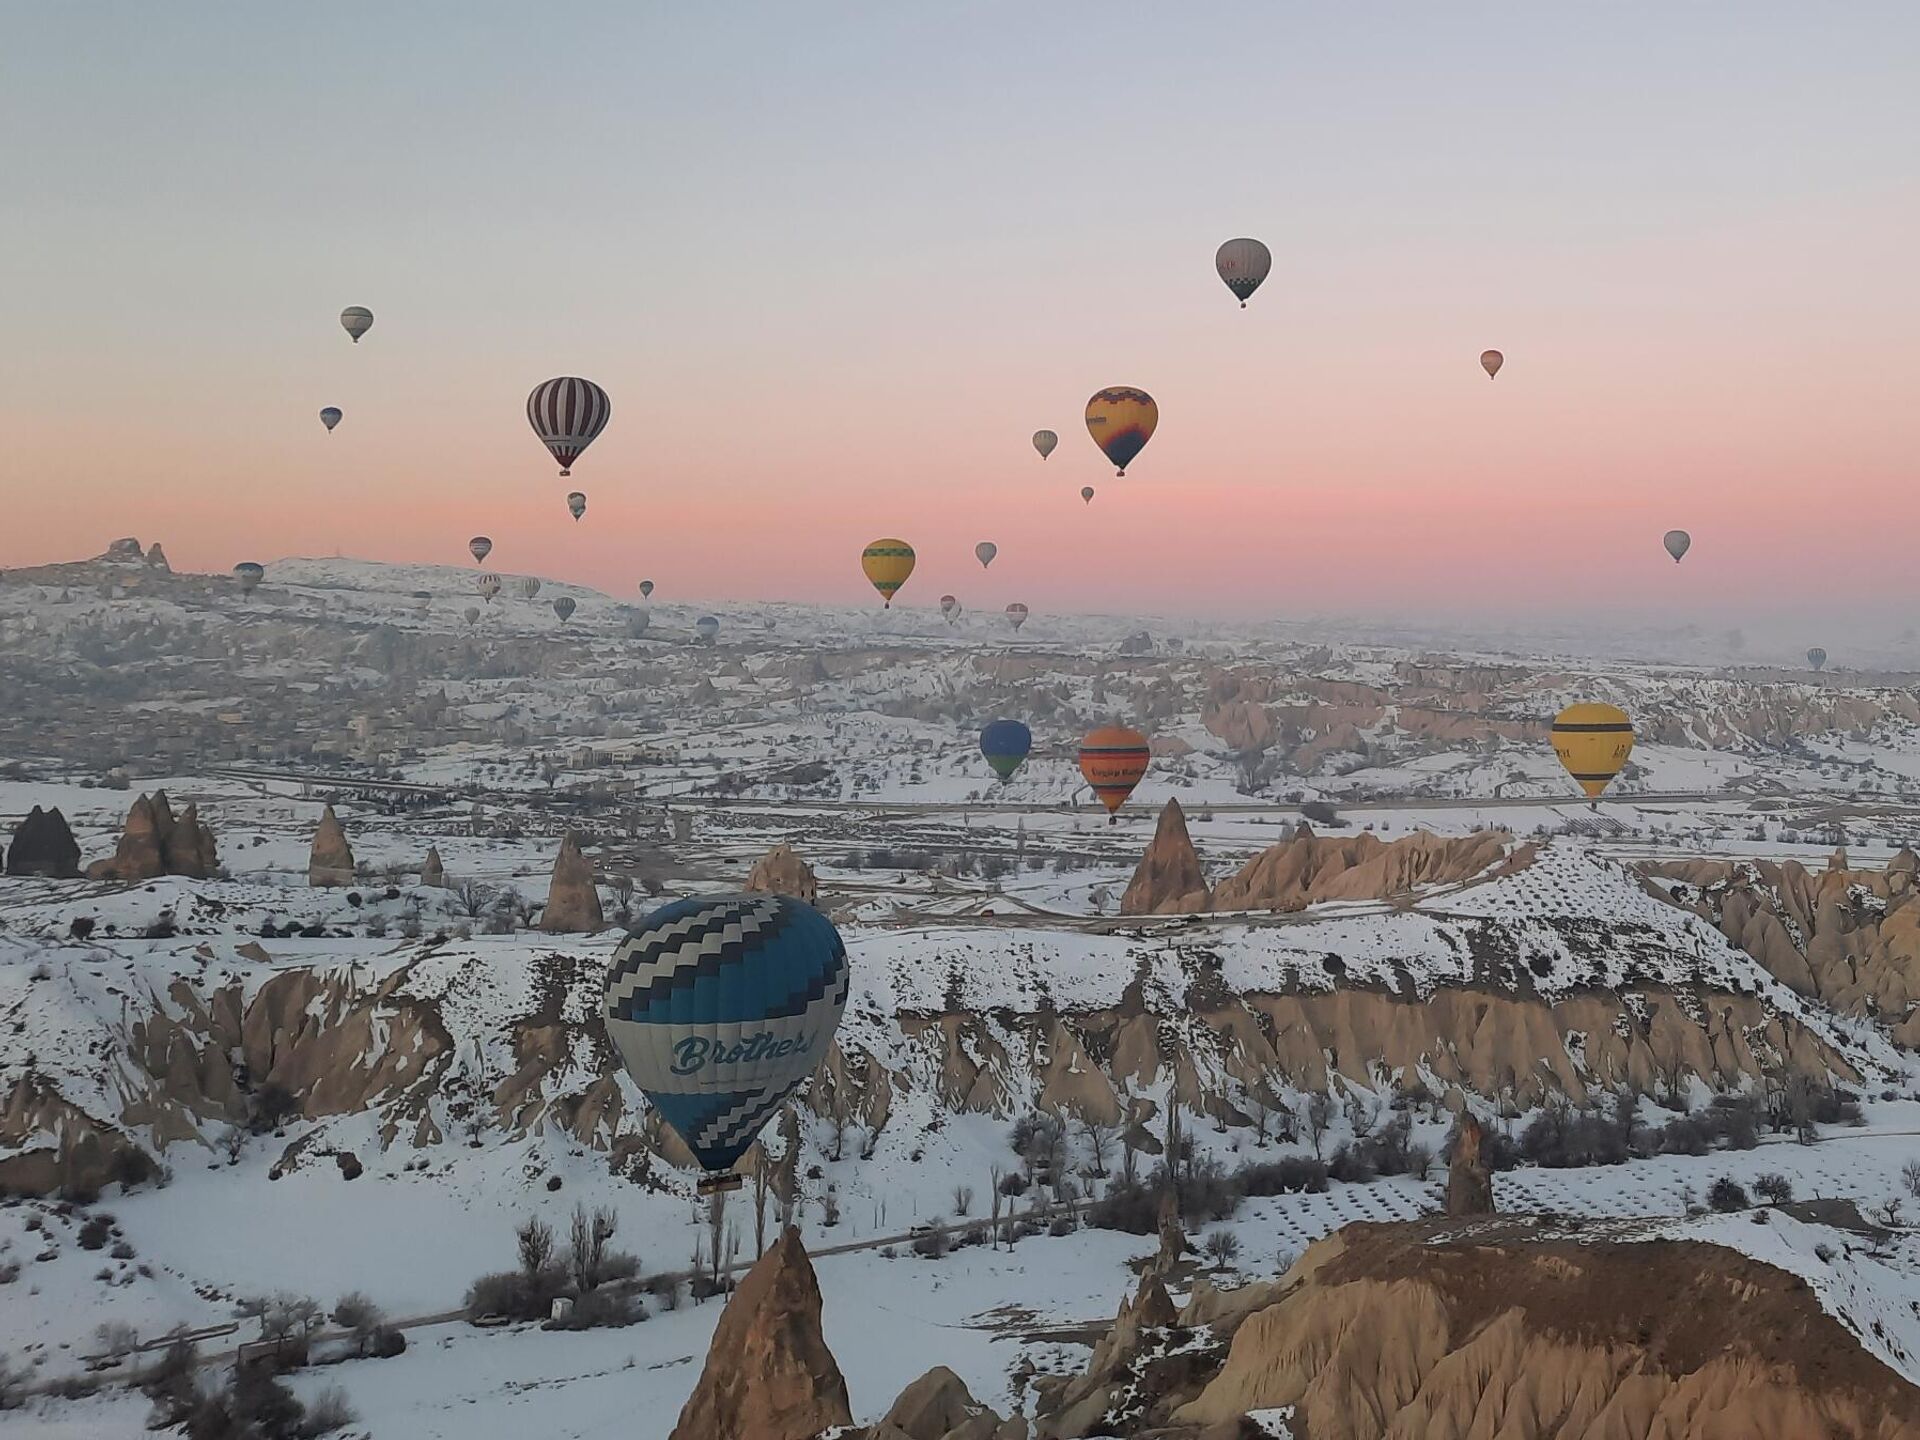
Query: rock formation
1298,872
782,872
124,550
434,871
157,558
1469,1185
938,1406
1168,880
769,1374
44,845
330,862
573,904
154,843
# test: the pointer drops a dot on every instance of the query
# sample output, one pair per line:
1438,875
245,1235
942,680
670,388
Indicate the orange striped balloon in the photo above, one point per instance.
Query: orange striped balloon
1113,758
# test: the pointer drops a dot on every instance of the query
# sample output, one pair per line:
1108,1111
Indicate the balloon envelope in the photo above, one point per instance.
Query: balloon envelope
646,587
356,320
1243,264
1006,744
577,503
708,627
1112,759
249,575
720,1006
529,586
1491,361
1044,441
984,553
479,547
563,606
949,604
568,414
1678,542
1017,613
488,586
1593,742
470,614
330,417
1121,421
887,564
1816,657
1086,493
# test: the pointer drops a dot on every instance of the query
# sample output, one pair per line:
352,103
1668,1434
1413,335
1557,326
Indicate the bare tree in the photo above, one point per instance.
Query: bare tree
356,1313
1179,1148
1319,1117
716,1229
1223,1248
587,1248
962,1199
534,1240
1099,1141
762,1192
995,1199
1129,1156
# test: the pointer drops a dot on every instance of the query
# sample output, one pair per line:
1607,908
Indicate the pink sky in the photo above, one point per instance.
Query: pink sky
831,303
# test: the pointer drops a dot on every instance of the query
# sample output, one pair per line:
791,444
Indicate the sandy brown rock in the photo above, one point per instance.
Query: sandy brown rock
154,843
43,844
433,872
936,1407
1168,880
330,862
1308,868
573,902
1469,1184
769,1374
781,871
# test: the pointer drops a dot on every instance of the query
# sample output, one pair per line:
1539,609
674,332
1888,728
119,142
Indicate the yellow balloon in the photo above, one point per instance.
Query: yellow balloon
888,563
1121,421
1593,742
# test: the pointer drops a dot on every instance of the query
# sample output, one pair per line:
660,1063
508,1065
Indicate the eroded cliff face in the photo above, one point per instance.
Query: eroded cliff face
1459,1331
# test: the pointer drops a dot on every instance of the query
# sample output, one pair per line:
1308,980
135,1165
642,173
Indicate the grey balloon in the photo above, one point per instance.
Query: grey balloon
1678,542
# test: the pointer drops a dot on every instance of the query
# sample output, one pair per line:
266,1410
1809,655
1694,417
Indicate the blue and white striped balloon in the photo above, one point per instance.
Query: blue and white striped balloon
719,1007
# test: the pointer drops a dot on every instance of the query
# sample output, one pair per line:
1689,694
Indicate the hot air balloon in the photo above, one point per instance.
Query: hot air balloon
577,503
1005,743
1678,542
471,614
479,547
1113,758
1121,421
1086,493
1044,441
563,606
1817,657
1017,614
330,417
720,1006
420,601
567,413
949,607
708,628
984,553
1243,264
1593,742
1491,361
488,585
888,563
356,320
528,586
646,588
766,623
249,575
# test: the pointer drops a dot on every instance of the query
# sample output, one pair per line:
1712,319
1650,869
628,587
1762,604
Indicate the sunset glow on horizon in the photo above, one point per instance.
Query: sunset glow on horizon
835,267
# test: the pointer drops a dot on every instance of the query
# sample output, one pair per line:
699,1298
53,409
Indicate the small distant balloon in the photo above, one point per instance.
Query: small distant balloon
1121,421
949,607
984,553
471,614
646,588
577,503
1678,542
1491,361
1016,614
568,414
1243,264
887,564
529,586
356,320
479,547
249,575
1044,441
563,606
330,417
488,586
1817,658
708,628
766,624
1086,493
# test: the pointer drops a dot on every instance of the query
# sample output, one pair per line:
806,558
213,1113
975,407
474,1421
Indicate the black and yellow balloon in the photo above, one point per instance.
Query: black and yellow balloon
1121,421
887,564
1593,742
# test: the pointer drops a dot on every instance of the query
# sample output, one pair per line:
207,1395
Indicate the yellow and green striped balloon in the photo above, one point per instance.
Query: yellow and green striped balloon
888,563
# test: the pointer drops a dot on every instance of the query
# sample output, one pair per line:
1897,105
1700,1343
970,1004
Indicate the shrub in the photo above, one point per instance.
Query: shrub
80,928
329,1412
1223,1248
515,1293
1062,1225
1293,1175
94,1234
1727,1194
1774,1189
1128,1206
1351,1165
603,1310
1823,1253
933,1244
665,1289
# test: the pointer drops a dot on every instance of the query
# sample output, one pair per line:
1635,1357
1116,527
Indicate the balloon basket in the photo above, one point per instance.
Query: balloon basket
711,1184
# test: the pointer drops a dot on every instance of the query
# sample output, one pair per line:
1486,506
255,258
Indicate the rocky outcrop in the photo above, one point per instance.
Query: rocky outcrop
769,1374
1469,1183
781,871
938,1406
1168,880
43,844
154,842
157,558
573,904
330,862
433,873
126,550
1305,869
